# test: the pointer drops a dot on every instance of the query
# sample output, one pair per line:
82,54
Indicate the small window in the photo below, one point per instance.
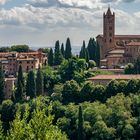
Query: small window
20,62
27,68
110,28
110,34
110,40
28,62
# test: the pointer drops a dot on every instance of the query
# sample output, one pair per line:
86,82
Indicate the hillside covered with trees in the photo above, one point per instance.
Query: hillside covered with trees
58,102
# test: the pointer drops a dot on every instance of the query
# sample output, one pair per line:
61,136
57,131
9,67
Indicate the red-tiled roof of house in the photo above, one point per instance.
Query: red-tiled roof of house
133,44
117,77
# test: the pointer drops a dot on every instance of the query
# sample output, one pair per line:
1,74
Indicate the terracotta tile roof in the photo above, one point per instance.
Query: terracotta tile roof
117,77
133,44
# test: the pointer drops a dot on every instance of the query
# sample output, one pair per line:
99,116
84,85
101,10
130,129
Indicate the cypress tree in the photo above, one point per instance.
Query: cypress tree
19,94
1,84
68,53
92,49
50,57
39,83
58,58
30,85
20,76
87,55
83,51
98,54
62,50
80,124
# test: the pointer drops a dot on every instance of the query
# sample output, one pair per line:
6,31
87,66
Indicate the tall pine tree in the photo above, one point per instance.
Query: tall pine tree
1,84
62,50
50,57
58,58
30,85
68,52
19,94
39,83
80,124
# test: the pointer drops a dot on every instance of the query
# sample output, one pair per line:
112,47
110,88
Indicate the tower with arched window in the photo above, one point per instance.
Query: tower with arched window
109,30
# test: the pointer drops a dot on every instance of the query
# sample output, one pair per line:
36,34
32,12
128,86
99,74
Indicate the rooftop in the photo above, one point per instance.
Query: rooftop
117,51
124,36
114,55
113,77
133,44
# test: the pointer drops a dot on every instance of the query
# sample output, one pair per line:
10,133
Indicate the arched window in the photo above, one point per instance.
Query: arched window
110,40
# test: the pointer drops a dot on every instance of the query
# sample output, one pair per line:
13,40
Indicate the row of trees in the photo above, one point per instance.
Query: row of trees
59,53
91,52
17,48
71,91
32,87
117,118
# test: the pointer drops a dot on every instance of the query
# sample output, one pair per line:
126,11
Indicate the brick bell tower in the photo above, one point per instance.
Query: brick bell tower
108,31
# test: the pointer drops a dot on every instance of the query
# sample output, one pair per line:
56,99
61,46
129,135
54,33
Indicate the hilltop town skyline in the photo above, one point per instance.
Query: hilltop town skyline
42,22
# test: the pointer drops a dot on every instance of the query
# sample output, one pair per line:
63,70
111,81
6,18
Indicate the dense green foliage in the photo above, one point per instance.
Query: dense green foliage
20,48
32,123
40,118
72,69
80,124
5,49
133,68
1,84
68,105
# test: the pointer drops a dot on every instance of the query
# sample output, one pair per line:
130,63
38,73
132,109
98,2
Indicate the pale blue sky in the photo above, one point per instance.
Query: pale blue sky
42,22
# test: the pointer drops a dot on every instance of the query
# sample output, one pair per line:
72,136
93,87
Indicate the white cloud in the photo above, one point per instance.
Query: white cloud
90,4
3,2
48,20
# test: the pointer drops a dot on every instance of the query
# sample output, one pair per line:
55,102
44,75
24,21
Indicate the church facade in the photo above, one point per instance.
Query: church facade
116,50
